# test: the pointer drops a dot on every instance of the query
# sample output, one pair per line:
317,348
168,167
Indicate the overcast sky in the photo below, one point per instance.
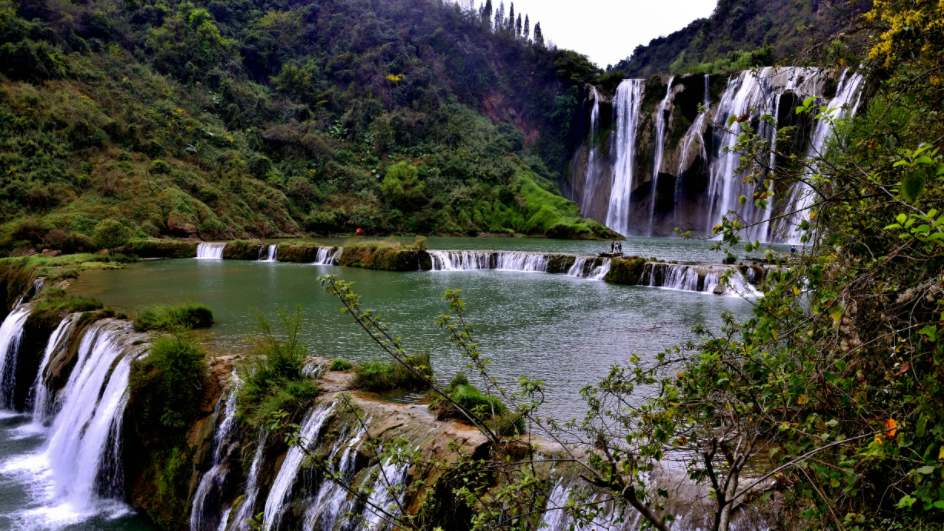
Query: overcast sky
608,30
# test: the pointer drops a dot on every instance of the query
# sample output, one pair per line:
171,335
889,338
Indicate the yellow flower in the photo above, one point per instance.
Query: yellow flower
802,400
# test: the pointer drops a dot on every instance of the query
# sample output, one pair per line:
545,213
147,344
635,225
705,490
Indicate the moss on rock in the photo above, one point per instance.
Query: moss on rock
298,253
626,270
386,258
242,250
161,249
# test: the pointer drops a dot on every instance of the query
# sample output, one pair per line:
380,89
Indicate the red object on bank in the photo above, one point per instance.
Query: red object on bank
358,230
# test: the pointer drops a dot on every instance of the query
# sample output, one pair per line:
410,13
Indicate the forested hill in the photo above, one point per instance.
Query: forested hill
262,117
742,34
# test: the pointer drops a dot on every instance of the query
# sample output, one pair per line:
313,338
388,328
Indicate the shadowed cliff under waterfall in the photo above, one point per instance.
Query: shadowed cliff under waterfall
651,162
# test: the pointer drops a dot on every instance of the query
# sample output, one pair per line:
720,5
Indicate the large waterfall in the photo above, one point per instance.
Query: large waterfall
670,135
626,109
11,332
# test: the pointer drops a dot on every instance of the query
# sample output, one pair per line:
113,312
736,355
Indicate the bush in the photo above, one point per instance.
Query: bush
173,316
340,365
167,385
377,376
111,234
290,396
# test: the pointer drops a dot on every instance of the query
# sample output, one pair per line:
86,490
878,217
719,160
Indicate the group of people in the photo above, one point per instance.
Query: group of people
616,247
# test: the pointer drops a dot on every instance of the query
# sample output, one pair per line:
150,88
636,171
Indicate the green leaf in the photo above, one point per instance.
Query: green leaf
926,469
912,186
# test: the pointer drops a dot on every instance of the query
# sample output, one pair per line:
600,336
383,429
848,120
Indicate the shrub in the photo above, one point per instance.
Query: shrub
160,167
377,376
340,365
173,316
111,234
167,385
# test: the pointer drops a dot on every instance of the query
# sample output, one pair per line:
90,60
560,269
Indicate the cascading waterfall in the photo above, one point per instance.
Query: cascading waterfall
282,486
83,449
844,105
207,496
328,256
11,332
701,279
327,505
660,147
593,157
748,96
482,260
37,287
385,496
272,252
39,393
694,133
210,251
626,120
252,486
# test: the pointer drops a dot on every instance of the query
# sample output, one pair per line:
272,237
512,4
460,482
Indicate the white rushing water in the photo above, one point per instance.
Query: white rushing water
843,106
482,260
660,148
78,473
11,332
693,137
37,287
282,486
324,511
207,497
272,253
701,279
386,496
626,120
41,398
328,255
252,487
593,156
210,251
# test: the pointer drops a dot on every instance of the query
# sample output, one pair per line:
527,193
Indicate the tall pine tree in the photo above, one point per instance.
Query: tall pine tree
538,36
518,27
487,12
511,17
527,28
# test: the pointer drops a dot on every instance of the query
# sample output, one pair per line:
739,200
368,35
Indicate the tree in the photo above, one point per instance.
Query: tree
527,28
111,234
487,12
538,35
401,186
511,17
518,27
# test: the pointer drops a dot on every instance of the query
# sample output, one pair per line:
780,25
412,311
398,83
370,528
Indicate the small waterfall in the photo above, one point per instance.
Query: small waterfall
39,393
207,497
327,505
11,332
272,252
84,444
210,251
660,148
252,487
696,278
390,475
801,197
328,255
521,261
484,260
626,109
593,156
37,287
579,267
586,267
282,486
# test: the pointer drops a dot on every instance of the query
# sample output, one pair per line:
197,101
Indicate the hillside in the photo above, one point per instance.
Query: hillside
224,119
741,34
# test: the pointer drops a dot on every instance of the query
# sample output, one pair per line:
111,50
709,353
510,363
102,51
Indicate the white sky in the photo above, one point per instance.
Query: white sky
608,30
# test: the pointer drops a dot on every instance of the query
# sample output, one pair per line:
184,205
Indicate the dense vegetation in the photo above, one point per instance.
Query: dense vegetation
742,34
379,376
169,317
259,118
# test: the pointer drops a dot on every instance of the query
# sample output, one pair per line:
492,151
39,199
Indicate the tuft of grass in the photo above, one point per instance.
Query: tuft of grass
482,406
290,396
166,386
168,317
340,365
377,376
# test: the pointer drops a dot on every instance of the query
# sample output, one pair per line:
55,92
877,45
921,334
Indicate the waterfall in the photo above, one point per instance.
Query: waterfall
272,252
520,261
11,332
660,147
748,96
41,398
626,109
385,495
327,505
328,255
252,487
282,486
584,267
84,443
593,157
210,251
697,278
694,132
801,197
208,494
578,269
37,287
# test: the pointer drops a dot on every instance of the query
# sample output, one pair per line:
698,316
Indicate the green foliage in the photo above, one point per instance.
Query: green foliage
167,385
272,374
401,186
111,234
340,365
169,317
52,304
378,376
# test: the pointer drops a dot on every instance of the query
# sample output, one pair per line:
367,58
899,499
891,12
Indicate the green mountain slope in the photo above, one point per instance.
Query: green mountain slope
254,117
742,34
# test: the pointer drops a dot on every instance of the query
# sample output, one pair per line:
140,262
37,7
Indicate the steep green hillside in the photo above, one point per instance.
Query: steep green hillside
274,117
742,34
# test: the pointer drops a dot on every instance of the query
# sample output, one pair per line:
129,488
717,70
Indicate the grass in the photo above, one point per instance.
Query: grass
289,396
480,405
378,376
51,303
166,317
166,386
340,365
